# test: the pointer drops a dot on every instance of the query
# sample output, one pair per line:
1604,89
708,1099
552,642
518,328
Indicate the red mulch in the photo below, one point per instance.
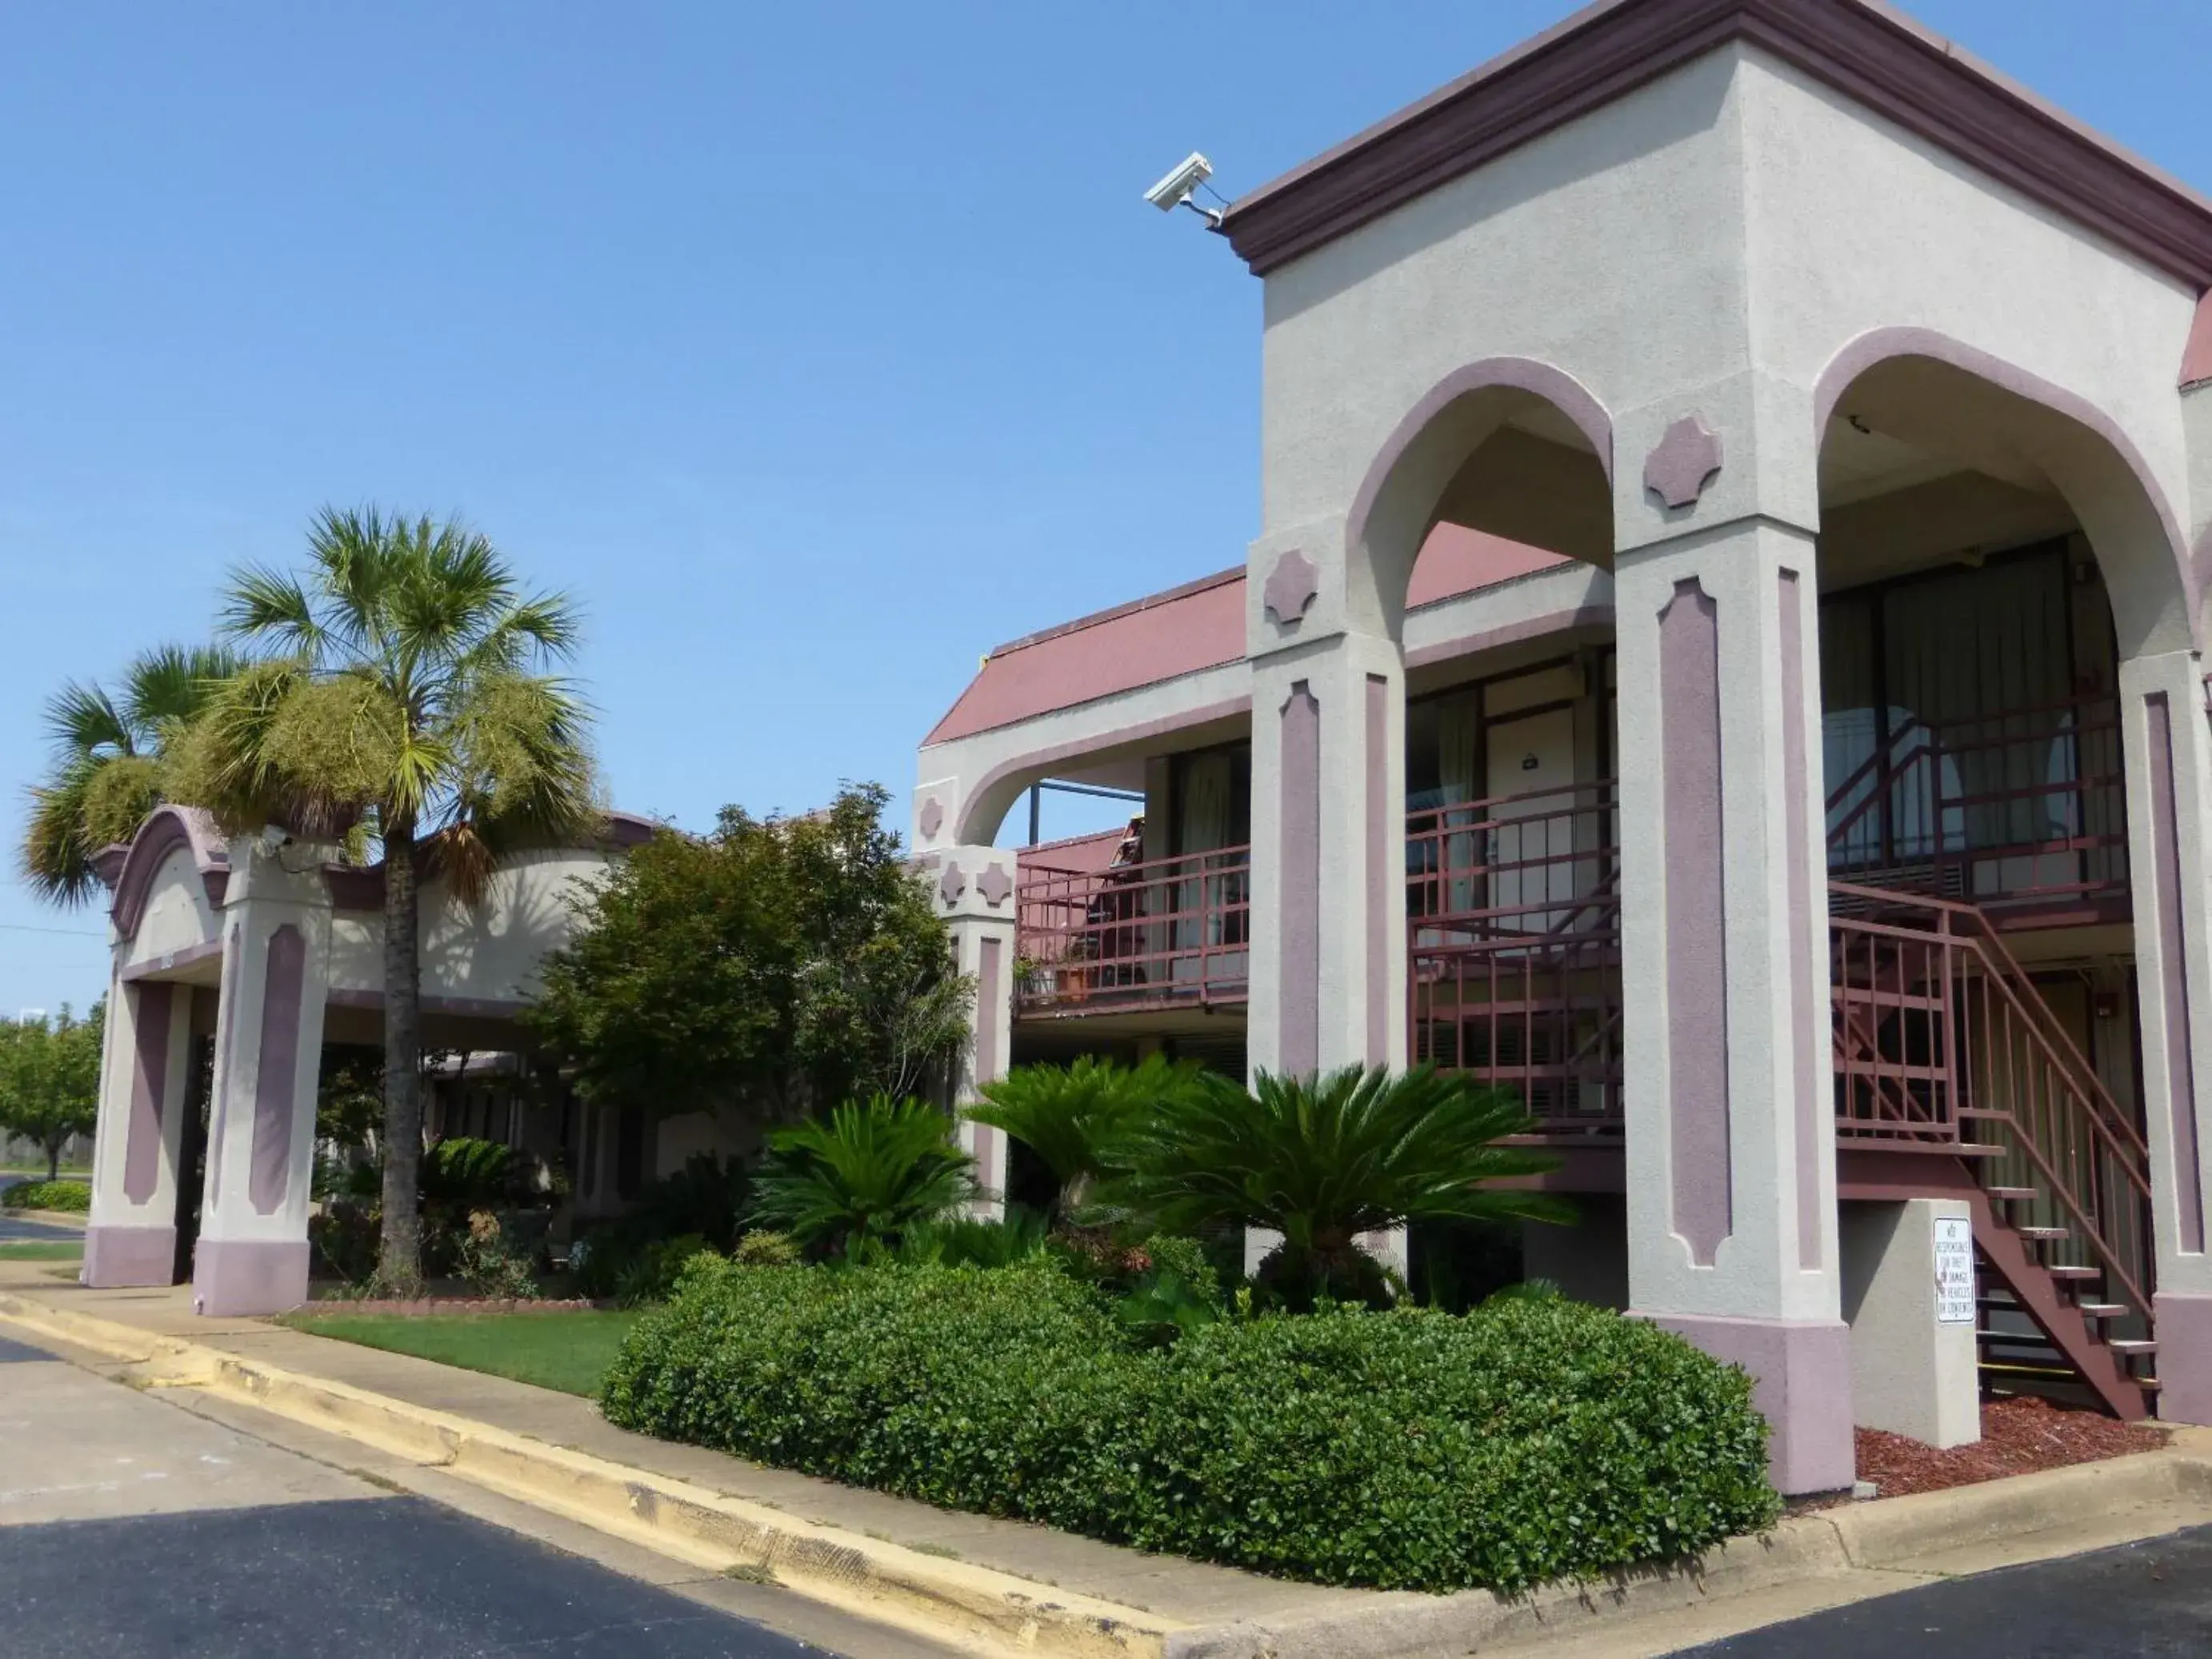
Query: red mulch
424,1306
2019,1437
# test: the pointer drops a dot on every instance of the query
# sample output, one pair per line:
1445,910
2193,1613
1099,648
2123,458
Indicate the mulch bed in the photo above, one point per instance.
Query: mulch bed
2019,1437
424,1306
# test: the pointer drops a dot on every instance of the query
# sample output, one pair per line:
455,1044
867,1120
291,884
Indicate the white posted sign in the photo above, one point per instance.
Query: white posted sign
1954,1270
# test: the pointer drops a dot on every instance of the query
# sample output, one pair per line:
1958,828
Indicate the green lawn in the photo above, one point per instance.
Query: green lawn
570,1351
41,1249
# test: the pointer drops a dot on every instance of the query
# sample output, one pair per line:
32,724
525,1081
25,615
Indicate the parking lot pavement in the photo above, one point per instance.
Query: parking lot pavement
2131,1601
130,1525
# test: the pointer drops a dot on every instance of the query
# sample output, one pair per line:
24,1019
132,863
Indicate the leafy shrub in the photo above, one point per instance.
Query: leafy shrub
461,1174
1527,1440
341,1240
489,1262
650,1272
763,1248
964,1242
1076,1117
855,1182
73,1195
1322,1159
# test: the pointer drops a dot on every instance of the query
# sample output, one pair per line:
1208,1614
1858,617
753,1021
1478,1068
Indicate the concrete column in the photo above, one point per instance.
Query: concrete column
253,1252
1328,857
2163,728
1915,1370
144,1072
974,889
1730,1144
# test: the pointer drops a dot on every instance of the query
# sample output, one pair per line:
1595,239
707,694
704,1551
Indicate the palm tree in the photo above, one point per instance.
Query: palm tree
402,695
1321,1160
874,1169
1075,1117
110,754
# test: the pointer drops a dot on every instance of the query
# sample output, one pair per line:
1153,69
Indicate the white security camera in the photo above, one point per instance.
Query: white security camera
1172,192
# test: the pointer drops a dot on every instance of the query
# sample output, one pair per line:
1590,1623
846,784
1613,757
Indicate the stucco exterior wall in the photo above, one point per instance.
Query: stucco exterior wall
493,952
1852,224
178,916
1610,247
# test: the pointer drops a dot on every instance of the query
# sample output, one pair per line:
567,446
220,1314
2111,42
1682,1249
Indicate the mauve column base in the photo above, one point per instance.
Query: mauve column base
121,1258
1801,1377
2183,1328
234,1276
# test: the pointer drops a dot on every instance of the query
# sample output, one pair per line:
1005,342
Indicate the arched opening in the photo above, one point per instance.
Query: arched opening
1504,468
1993,549
1477,543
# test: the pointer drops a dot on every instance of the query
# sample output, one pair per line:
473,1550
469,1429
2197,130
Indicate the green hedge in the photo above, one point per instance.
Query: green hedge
1525,1442
49,1195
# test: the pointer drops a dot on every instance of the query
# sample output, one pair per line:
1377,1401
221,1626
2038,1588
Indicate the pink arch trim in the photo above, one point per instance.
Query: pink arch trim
165,830
1880,344
1555,385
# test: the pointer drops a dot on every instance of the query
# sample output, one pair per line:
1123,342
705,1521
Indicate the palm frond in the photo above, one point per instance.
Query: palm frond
1077,1118
357,557
81,721
267,608
57,854
875,1169
173,682
1321,1160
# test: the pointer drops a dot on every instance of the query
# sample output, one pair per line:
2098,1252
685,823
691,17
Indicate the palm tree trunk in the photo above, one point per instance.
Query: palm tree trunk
399,1259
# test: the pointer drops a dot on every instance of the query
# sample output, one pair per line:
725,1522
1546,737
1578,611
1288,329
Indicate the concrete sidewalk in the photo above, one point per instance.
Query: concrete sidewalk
1172,1607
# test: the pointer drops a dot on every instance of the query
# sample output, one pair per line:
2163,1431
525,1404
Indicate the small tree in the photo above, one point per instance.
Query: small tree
404,697
50,1080
778,965
859,1181
1076,1118
1323,1160
110,763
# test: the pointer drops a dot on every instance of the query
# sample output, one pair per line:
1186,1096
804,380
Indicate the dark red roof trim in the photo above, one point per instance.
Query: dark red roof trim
1867,50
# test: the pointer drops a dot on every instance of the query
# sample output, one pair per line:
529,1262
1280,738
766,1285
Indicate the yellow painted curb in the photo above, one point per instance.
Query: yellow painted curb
978,1607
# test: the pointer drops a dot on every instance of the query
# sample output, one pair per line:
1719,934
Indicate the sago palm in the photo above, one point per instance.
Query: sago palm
401,692
108,772
863,1177
1076,1117
1321,1160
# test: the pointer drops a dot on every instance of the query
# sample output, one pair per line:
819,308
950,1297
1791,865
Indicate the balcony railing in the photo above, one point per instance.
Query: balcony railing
1513,930
2019,810
1165,933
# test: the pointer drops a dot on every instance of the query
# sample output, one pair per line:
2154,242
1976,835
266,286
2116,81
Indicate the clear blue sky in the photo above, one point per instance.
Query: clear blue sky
814,348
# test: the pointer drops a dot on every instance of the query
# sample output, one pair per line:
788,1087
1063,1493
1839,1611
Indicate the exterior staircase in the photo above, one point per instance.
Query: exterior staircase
1943,1045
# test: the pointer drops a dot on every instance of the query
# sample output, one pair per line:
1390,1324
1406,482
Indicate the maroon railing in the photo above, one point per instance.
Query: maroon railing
1941,1039
2025,809
1513,930
1162,933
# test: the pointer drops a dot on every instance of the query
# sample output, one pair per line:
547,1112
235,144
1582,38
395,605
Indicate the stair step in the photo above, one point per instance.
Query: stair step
2103,1310
2013,1194
2044,1234
2065,1270
2125,1345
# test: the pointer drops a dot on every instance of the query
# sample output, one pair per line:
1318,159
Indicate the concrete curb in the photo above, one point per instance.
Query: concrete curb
939,1598
986,1611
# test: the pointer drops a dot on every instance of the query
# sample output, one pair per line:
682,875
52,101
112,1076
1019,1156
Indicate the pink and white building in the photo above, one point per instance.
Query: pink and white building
234,963
1722,656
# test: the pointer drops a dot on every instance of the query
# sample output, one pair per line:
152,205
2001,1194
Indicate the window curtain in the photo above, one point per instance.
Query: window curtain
1983,658
1459,753
1203,806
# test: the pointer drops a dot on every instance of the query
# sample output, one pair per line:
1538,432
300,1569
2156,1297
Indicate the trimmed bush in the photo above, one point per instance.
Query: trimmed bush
1527,1440
49,1195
